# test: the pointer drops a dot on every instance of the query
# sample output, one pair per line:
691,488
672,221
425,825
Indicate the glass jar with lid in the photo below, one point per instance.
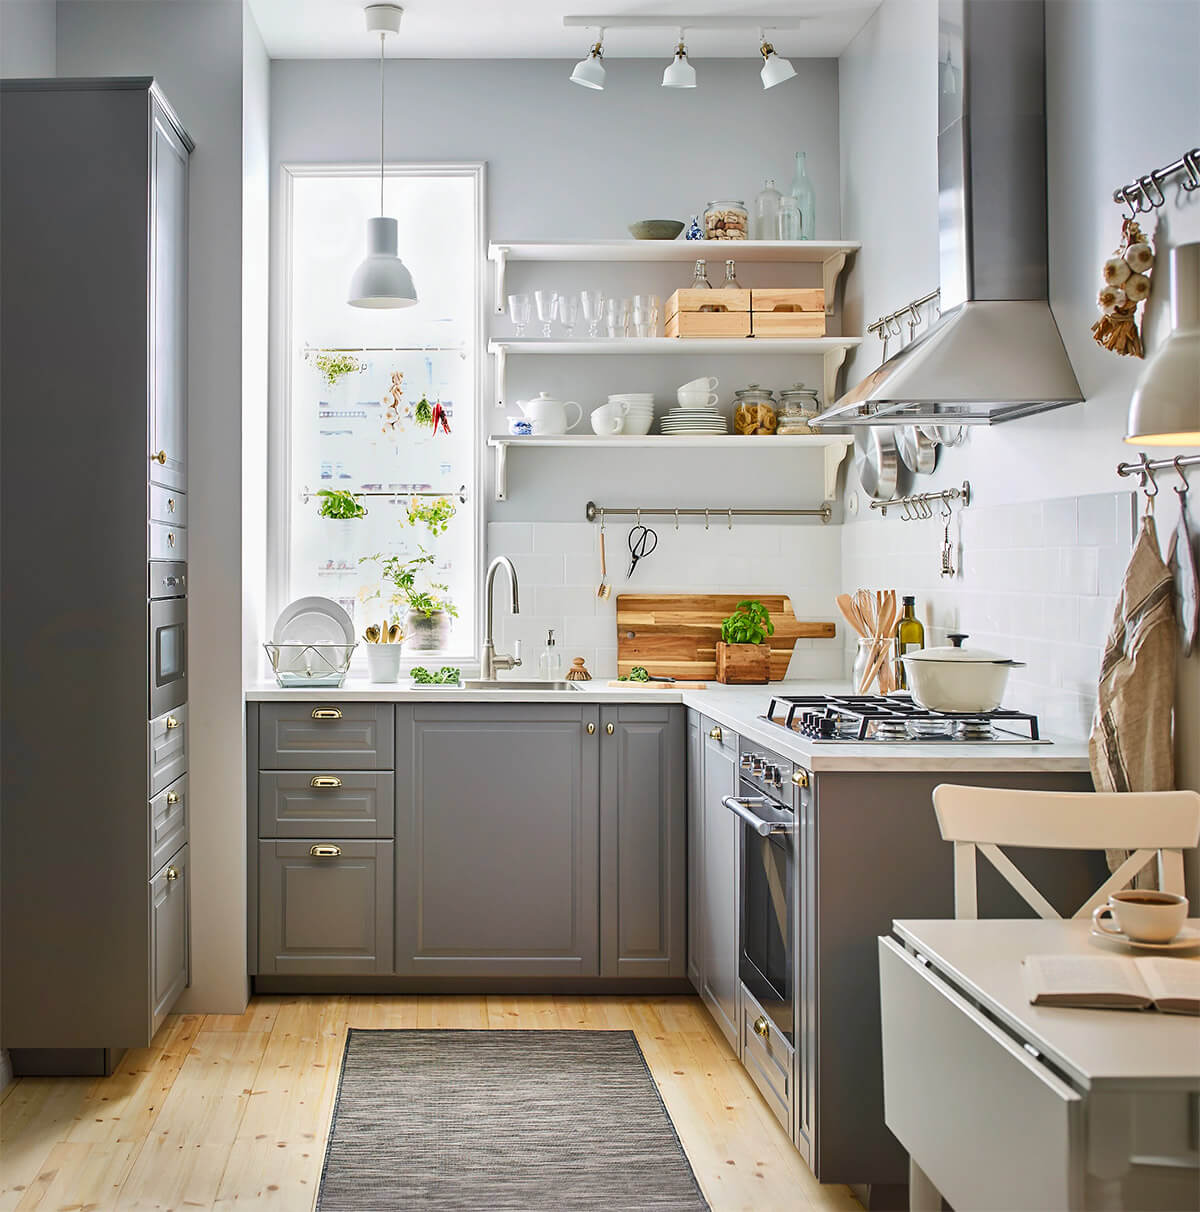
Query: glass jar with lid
797,406
726,220
754,410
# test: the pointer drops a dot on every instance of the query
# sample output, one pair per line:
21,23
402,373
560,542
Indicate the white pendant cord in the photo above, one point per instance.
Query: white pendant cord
382,39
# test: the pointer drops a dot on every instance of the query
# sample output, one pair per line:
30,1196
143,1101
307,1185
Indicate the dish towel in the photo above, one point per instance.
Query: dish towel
1130,747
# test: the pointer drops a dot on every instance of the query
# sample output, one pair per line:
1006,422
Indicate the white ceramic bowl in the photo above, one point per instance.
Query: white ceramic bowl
638,425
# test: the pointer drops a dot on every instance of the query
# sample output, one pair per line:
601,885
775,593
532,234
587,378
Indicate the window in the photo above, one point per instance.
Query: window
360,390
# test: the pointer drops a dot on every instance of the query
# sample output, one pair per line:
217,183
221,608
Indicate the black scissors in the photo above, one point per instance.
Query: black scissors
642,541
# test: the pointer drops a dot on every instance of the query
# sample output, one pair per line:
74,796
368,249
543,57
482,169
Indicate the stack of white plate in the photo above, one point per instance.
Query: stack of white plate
638,407
683,421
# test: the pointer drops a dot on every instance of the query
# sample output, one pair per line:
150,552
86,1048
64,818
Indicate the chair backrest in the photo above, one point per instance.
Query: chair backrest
1153,824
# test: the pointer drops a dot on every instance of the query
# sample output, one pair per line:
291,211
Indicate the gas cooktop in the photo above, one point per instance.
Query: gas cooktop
896,719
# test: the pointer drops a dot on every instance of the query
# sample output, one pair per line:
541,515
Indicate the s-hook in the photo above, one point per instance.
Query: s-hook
1181,472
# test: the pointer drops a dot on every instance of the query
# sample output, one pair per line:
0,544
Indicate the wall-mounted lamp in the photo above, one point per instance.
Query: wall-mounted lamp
775,69
590,71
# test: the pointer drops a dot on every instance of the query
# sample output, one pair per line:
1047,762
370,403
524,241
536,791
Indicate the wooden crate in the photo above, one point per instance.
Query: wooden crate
743,664
787,312
726,314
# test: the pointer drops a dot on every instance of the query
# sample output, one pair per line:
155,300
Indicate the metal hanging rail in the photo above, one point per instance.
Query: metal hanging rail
458,349
921,501
602,513
461,495
1143,189
1145,468
885,323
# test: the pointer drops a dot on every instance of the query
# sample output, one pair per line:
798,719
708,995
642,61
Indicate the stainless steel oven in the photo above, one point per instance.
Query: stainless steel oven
766,940
168,654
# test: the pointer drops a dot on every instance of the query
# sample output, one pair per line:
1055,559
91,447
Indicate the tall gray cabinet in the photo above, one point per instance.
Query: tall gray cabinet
93,510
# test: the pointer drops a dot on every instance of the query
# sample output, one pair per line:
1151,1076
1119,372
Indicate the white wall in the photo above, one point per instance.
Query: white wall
194,48
27,38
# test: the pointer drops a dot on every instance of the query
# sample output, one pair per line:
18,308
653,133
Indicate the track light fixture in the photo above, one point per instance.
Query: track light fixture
775,69
680,73
590,71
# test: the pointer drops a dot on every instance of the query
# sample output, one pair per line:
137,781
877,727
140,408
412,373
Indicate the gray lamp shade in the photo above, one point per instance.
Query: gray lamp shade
1165,407
381,279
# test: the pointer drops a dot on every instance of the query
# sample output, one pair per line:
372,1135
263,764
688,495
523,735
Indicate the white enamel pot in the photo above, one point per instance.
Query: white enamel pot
958,679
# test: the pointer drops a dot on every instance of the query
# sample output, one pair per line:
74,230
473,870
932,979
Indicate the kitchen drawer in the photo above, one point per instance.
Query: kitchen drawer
336,803
768,1058
718,737
168,822
991,1125
168,542
167,505
345,736
170,959
168,748
325,907
166,579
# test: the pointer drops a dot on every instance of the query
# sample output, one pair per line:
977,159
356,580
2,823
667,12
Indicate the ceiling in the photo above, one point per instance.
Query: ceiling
533,29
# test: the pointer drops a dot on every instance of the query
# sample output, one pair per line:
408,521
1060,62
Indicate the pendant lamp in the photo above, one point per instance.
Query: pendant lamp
381,279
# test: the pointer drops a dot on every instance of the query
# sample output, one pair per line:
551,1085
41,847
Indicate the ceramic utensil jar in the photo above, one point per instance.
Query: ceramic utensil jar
549,416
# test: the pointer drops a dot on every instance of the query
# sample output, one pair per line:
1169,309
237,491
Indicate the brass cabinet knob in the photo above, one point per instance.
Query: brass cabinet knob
170,504
800,778
716,734
591,728
160,458
762,1027
326,713
170,538
172,797
172,723
609,729
172,875
325,780
324,850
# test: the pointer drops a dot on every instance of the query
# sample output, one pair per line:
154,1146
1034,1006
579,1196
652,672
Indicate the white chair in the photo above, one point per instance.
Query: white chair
1153,824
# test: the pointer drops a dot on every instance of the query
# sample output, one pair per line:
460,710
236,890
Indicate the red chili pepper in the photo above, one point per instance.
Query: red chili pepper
439,418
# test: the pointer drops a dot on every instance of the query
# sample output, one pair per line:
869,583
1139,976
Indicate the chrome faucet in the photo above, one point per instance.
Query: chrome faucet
489,662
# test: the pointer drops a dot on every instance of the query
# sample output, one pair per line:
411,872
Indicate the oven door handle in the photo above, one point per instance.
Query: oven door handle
741,807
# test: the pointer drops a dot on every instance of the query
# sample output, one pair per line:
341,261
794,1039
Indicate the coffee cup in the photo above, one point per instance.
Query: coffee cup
1142,915
709,383
609,419
696,399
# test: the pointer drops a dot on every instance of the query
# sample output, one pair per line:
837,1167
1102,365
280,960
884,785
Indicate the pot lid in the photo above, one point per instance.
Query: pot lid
957,654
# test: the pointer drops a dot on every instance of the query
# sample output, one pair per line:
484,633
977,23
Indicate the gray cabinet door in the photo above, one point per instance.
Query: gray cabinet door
497,840
719,883
168,822
325,803
317,735
643,859
325,907
167,736
169,953
695,839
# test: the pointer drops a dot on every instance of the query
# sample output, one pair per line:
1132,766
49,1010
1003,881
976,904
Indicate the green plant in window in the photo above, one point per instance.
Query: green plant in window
400,577
339,505
423,412
436,514
334,366
750,623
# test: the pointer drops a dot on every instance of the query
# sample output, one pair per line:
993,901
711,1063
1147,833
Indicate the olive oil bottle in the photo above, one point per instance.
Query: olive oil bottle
910,636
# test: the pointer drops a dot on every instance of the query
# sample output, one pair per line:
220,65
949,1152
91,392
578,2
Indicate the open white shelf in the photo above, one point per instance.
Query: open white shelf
835,446
831,350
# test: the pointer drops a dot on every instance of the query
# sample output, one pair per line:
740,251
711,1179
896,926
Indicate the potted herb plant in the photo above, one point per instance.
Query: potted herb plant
743,654
427,605
342,510
436,514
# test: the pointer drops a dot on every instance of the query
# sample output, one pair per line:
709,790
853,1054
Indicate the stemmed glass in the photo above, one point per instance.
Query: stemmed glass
593,310
547,306
519,308
645,315
567,307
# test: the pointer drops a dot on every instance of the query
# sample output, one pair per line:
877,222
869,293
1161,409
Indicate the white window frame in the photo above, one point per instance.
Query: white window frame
280,487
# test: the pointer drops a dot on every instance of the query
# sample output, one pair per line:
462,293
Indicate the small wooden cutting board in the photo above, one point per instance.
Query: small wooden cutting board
675,635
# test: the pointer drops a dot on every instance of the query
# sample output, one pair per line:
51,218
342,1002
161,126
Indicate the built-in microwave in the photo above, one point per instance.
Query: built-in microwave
168,654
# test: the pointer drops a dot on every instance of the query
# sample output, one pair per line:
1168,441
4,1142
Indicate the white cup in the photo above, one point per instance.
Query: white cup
608,419
696,399
709,384
1143,915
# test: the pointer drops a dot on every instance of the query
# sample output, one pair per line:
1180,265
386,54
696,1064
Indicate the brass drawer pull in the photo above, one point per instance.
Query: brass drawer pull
716,734
170,538
170,504
172,875
762,1027
324,850
591,729
609,729
326,713
800,778
325,780
160,458
172,723
172,797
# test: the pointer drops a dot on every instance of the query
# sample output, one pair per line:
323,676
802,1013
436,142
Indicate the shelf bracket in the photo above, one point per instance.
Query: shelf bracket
500,257
831,269
833,363
833,460
500,352
502,472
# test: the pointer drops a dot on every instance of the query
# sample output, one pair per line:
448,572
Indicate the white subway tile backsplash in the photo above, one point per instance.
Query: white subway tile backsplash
509,538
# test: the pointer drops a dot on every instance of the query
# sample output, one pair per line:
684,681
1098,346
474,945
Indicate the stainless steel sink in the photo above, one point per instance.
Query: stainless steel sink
516,684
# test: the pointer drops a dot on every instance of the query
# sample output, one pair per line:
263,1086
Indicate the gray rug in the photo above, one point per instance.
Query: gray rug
528,1120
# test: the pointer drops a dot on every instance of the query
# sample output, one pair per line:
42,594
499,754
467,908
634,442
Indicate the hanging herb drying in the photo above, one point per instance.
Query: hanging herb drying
340,505
334,366
432,414
393,402
436,514
1126,284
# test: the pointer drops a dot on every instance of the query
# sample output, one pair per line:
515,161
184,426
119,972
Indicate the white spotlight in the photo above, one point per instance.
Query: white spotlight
680,73
775,69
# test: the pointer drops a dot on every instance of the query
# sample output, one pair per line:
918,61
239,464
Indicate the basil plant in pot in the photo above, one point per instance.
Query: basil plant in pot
743,654
426,604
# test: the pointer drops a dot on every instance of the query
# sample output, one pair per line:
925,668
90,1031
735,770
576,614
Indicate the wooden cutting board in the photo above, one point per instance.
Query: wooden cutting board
675,635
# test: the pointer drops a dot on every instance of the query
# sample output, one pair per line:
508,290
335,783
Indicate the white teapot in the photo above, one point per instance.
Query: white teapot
549,416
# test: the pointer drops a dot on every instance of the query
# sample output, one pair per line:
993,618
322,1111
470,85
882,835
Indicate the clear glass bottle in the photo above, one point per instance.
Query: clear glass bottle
766,212
791,223
910,637
731,282
550,663
700,278
806,199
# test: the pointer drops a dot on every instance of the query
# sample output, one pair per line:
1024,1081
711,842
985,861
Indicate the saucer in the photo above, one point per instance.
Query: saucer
1188,939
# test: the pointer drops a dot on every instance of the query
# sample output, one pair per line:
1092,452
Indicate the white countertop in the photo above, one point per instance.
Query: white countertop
737,707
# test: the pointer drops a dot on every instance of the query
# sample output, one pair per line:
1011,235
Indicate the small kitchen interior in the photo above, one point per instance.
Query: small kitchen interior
635,645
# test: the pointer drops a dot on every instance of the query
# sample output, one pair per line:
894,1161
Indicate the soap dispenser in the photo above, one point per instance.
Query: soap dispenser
550,663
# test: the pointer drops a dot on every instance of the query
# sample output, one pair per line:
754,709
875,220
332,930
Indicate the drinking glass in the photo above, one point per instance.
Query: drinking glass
568,313
645,315
547,305
616,314
593,310
519,309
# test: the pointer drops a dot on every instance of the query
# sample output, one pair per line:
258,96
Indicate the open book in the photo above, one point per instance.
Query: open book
1113,982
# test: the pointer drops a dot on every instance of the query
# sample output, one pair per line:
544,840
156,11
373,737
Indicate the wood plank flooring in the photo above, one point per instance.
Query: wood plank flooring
225,1111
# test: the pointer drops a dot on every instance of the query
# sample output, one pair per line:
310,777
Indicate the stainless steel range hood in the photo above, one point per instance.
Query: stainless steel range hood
995,353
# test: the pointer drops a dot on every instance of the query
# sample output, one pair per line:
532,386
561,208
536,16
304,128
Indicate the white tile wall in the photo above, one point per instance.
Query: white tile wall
1037,581
558,567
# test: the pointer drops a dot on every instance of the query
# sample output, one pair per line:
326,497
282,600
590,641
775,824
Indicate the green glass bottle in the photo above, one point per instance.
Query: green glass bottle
910,636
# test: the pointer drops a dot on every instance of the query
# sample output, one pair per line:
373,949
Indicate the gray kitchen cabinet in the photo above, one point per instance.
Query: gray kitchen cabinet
170,893
167,737
342,803
325,907
497,840
317,735
718,893
168,822
695,837
643,860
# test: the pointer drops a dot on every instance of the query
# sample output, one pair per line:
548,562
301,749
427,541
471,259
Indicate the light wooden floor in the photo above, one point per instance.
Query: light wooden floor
225,1111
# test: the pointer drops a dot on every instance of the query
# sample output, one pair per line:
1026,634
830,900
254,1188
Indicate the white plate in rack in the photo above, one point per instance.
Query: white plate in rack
313,620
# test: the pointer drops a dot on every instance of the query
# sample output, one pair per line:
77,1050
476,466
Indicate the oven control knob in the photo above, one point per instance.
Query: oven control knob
771,773
747,761
757,765
828,727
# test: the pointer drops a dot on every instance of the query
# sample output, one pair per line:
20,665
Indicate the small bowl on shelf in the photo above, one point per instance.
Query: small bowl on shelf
655,229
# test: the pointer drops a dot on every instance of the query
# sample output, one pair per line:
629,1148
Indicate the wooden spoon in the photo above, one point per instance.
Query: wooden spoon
850,612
